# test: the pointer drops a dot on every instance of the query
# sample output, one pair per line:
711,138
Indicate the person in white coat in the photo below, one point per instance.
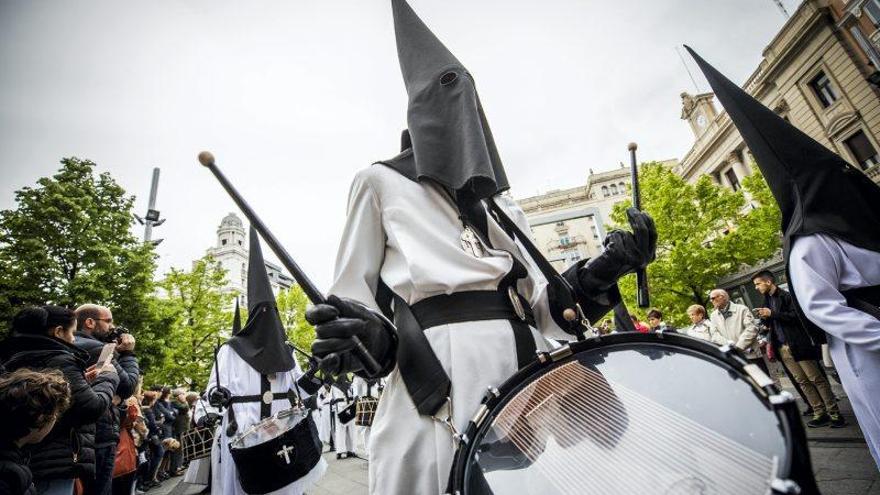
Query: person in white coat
343,433
830,214
253,377
325,413
364,389
701,327
473,299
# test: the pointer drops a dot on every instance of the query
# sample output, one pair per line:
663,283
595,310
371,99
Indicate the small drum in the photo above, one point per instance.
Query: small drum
635,413
196,443
366,410
276,451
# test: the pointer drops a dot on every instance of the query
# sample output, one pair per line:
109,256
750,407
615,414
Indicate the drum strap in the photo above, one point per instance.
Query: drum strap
865,299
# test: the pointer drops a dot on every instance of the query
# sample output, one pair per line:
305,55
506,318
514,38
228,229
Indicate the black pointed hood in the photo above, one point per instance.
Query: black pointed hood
262,343
236,319
451,140
817,191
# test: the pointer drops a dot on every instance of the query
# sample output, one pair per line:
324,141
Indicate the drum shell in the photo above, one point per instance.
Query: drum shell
366,411
262,469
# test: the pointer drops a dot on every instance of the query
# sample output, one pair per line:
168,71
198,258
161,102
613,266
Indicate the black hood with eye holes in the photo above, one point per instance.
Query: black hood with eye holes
451,142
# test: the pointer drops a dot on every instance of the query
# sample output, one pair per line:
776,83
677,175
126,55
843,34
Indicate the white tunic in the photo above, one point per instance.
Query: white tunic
820,267
325,414
705,330
241,379
409,234
344,434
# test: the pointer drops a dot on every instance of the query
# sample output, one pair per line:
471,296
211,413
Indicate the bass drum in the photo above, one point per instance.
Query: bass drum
633,413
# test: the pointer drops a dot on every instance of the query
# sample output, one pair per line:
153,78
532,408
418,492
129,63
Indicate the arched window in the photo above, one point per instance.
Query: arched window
605,191
614,189
622,186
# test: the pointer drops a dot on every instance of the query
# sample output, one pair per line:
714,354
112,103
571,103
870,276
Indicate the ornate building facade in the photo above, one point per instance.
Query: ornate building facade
816,75
568,225
231,251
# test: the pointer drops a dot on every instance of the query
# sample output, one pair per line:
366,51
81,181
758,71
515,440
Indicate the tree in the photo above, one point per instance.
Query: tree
705,231
201,319
292,304
69,242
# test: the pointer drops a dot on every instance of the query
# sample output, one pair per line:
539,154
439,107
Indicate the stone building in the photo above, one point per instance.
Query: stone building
815,75
569,224
231,251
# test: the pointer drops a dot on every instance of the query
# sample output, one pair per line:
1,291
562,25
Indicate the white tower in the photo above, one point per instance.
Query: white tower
232,253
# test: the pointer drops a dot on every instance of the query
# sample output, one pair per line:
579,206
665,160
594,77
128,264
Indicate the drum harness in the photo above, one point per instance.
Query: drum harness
423,375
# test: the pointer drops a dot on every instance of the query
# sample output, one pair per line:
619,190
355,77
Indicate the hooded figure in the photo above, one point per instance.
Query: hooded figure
429,231
831,226
259,372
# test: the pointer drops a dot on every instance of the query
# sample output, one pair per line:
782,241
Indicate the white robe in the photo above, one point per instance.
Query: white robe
344,435
409,233
820,267
241,379
361,389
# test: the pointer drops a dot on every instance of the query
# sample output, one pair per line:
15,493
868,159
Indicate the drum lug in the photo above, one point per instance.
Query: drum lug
784,486
561,353
780,399
726,349
543,356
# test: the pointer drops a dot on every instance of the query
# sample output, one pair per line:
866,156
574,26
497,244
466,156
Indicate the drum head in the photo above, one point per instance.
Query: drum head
630,417
268,429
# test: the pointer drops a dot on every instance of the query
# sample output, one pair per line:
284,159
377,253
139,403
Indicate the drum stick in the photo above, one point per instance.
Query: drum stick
206,158
642,295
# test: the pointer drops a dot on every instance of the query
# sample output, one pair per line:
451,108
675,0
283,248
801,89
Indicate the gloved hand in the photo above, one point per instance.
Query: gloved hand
336,322
624,253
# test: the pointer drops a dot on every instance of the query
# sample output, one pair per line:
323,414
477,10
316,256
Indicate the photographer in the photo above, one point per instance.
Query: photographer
798,349
95,329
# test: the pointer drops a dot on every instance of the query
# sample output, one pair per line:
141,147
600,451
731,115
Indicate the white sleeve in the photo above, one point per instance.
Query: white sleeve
715,334
815,269
362,248
750,333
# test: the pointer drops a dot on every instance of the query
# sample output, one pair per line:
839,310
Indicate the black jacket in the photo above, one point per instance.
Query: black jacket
182,419
168,413
107,428
64,453
15,476
802,342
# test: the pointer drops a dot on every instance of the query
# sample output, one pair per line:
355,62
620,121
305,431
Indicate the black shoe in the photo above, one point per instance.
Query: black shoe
819,421
338,456
808,412
837,421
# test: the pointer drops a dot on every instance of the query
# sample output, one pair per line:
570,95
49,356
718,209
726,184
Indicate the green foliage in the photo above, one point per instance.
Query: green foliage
705,231
200,315
292,305
68,242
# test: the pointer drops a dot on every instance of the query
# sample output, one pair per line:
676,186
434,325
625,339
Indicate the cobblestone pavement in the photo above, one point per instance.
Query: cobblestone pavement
841,461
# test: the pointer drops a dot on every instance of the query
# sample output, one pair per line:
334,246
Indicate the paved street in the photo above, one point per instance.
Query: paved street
841,461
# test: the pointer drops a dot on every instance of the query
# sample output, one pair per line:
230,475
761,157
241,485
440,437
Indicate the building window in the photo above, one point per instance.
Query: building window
824,90
732,179
594,231
605,191
613,189
872,8
223,242
239,243
622,187
862,150
564,241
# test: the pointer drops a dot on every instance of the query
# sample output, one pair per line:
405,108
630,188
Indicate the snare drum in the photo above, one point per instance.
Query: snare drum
366,411
276,451
635,413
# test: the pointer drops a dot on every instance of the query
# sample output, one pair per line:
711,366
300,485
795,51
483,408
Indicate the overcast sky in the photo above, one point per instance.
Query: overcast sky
294,96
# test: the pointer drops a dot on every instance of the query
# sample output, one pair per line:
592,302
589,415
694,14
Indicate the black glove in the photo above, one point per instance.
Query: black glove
310,402
339,320
624,253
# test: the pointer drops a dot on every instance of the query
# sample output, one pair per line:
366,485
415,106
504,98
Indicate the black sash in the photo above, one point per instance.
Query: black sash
864,299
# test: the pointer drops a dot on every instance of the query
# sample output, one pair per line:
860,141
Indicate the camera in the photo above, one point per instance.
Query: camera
114,334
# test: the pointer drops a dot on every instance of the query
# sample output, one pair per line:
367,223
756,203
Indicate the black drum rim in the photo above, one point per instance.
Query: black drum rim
783,406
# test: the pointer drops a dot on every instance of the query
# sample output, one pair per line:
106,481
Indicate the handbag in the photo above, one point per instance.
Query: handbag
126,453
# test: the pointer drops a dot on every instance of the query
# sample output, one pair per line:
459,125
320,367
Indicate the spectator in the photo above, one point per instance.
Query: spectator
153,418
95,329
30,403
181,425
737,325
163,405
701,327
656,323
798,350
640,327
43,338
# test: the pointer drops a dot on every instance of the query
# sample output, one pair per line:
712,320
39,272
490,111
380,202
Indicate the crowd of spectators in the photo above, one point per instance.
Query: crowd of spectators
76,419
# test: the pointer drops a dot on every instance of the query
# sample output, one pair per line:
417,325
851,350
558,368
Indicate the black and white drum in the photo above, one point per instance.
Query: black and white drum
277,451
635,413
